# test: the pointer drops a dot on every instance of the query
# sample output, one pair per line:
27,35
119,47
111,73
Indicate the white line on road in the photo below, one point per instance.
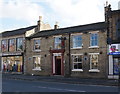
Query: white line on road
61,89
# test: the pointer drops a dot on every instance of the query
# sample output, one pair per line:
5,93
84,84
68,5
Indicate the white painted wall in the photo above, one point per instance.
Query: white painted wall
110,65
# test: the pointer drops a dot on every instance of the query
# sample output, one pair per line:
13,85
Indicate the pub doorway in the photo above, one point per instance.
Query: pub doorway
57,65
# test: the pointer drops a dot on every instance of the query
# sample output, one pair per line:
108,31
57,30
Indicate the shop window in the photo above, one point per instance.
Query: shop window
116,66
37,44
77,62
4,45
19,44
94,61
57,43
12,64
77,41
93,39
11,45
36,63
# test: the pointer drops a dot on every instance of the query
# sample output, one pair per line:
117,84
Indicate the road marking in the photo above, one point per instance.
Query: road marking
61,89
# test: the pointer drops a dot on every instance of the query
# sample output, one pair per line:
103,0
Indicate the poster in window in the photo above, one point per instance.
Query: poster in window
115,67
20,44
4,45
11,44
36,44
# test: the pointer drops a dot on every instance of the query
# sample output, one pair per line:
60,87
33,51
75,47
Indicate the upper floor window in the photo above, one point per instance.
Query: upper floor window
11,44
77,41
4,45
37,44
19,44
118,29
77,62
57,43
94,39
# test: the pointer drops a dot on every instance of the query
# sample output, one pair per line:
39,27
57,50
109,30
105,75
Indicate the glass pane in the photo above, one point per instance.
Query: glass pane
79,58
4,45
36,61
77,41
19,44
37,44
94,61
57,44
79,65
75,65
11,44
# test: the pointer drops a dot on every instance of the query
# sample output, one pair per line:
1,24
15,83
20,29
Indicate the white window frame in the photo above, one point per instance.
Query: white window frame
93,70
22,43
34,44
81,70
95,46
73,35
36,68
57,42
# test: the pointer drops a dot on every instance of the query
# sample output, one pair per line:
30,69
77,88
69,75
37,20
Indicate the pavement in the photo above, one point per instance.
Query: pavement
72,80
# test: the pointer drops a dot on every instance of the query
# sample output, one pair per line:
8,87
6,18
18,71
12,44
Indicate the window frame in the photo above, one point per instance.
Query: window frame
22,43
36,68
81,44
9,44
95,40
38,44
6,45
73,69
55,47
95,69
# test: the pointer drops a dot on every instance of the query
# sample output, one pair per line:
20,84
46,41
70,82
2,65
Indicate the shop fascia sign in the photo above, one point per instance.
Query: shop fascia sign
114,49
5,54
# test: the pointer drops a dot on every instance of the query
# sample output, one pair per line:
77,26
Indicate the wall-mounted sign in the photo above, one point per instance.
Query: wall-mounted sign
114,49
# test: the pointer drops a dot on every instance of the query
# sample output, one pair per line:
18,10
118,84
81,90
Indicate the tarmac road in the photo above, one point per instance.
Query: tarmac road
12,85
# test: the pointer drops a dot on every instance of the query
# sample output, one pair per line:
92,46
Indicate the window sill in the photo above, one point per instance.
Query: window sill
77,48
94,70
93,47
37,69
36,50
78,70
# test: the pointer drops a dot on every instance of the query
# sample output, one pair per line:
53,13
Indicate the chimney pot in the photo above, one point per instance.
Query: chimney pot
56,25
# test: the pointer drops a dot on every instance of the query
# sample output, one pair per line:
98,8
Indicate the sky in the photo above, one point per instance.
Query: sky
15,14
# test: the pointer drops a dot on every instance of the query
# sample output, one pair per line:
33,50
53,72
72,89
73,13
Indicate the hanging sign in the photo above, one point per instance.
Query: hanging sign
114,49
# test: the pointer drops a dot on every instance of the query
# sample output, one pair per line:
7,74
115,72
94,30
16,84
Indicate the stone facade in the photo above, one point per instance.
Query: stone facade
48,54
113,37
12,58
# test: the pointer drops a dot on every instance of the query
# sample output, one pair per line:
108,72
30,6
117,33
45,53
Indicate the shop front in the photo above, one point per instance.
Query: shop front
12,63
114,61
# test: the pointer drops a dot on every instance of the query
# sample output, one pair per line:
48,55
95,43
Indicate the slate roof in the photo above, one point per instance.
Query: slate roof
80,28
115,11
20,31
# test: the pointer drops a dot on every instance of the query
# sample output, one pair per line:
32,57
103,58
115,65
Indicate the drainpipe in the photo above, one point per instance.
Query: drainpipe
69,56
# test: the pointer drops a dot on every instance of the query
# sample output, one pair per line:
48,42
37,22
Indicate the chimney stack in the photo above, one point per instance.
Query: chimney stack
39,23
107,10
56,25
